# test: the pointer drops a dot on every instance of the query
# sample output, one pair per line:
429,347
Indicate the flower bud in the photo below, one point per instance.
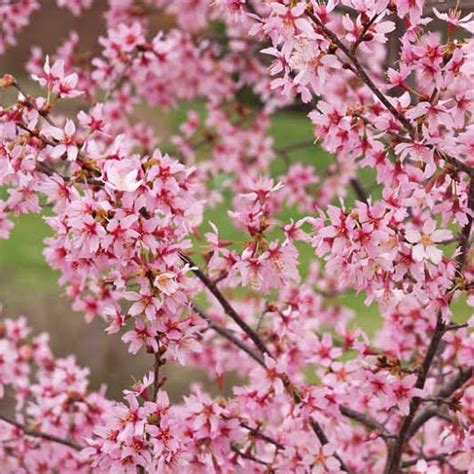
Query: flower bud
7,81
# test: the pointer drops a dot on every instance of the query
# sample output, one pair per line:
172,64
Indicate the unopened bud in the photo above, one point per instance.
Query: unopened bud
26,352
7,81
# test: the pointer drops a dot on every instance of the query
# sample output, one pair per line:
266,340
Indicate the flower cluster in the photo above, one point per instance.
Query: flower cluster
55,410
324,283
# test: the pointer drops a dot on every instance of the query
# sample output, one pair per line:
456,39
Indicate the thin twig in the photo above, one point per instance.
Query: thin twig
365,420
465,236
40,434
363,33
394,458
436,457
395,454
360,191
227,334
453,384
360,72
229,310
258,434
456,327
248,456
156,373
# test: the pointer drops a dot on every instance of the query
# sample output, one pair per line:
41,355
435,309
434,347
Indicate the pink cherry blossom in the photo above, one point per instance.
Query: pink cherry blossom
121,175
424,242
299,233
141,336
67,141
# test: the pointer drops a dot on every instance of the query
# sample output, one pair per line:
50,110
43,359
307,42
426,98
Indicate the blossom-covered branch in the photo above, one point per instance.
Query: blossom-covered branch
333,314
38,434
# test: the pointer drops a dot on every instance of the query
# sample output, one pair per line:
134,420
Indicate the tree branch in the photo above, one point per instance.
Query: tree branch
227,307
230,311
248,456
40,434
360,72
359,190
444,392
437,457
395,454
465,236
258,434
156,370
227,334
363,32
364,419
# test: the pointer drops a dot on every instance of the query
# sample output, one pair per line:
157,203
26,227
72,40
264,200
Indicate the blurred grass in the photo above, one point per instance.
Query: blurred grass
21,255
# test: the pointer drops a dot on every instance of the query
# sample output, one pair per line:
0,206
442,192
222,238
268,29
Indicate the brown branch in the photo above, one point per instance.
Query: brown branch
227,334
437,457
258,434
156,373
227,307
395,454
230,311
445,5
465,236
40,434
395,451
456,327
359,190
365,420
394,457
360,72
361,37
444,392
248,456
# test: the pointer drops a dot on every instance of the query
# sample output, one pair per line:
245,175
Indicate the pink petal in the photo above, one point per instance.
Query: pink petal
418,253
72,153
441,235
58,151
413,236
70,128
434,254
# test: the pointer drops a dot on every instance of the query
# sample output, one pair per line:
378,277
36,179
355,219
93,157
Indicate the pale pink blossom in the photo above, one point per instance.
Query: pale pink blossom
424,241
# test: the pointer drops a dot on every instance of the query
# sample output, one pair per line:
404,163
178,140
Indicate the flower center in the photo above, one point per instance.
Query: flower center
426,240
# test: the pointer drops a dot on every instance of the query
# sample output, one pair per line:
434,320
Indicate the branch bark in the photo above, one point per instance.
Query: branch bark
359,190
39,434
438,457
230,311
395,454
258,434
360,72
444,392
365,420
227,307
396,451
227,334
